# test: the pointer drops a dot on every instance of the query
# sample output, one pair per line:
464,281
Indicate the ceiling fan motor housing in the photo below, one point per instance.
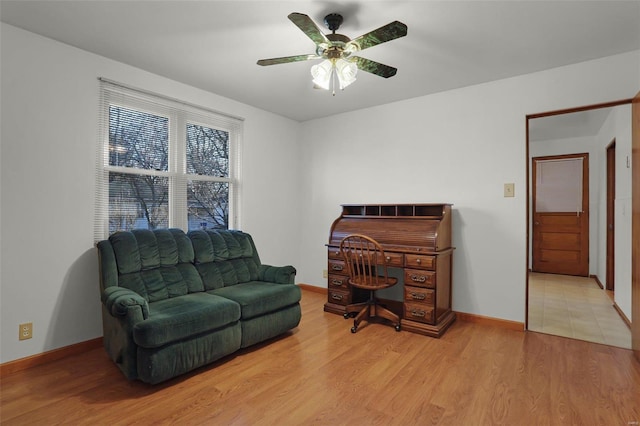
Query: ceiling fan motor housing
333,21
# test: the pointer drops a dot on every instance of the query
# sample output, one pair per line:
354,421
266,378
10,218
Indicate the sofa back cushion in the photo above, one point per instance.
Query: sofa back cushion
224,257
156,264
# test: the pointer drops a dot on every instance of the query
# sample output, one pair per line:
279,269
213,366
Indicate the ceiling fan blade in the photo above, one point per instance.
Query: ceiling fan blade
308,27
373,67
392,31
287,59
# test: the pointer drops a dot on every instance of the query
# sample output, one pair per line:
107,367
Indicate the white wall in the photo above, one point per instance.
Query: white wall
617,126
459,146
48,138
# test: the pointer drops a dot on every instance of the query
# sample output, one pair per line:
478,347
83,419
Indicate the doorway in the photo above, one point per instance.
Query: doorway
587,284
560,189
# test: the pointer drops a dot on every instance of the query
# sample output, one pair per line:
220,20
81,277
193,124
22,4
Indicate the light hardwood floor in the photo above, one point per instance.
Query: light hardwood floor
323,374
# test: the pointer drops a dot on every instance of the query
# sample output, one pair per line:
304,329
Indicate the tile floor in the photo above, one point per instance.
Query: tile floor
575,307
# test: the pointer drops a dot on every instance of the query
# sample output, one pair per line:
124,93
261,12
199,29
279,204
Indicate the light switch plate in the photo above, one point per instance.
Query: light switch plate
509,190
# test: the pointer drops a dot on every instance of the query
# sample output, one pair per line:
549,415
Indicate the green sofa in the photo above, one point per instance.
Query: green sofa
172,302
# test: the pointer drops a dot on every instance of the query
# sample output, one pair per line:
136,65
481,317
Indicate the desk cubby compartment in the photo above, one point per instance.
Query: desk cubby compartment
372,210
427,210
388,211
423,211
351,210
405,210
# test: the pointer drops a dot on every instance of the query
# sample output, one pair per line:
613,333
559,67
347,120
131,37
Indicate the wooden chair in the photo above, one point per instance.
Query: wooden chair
366,263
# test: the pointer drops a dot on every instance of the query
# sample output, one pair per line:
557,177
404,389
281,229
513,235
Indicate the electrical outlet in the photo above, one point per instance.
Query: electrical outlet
325,273
509,189
25,331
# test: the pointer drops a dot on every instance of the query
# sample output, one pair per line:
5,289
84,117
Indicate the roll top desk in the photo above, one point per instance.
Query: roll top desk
415,238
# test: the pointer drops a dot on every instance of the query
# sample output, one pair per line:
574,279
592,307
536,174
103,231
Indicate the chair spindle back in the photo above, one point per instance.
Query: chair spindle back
365,260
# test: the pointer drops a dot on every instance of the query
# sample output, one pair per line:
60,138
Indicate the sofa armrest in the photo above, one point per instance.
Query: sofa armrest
119,301
277,274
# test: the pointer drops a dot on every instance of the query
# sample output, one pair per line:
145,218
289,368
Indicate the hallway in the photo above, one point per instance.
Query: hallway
575,307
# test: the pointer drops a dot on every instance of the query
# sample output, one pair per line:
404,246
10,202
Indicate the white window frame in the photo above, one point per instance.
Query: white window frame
179,114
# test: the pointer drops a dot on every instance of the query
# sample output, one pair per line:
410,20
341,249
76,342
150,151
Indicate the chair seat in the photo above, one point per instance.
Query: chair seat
389,282
258,297
181,317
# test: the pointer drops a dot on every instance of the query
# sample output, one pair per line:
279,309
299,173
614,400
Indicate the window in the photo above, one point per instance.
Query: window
163,163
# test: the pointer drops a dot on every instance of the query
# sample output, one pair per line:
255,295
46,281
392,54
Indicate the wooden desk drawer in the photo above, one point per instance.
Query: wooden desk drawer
420,261
419,295
419,278
337,267
339,297
334,253
394,259
419,312
390,259
338,281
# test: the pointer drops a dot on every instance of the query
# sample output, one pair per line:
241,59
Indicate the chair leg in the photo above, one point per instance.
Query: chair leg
365,313
369,309
354,308
383,312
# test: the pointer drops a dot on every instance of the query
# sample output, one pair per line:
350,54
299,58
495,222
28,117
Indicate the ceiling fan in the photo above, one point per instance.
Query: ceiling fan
338,51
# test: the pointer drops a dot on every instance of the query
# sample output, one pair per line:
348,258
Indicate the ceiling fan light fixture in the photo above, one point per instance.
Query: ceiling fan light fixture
321,74
346,72
325,73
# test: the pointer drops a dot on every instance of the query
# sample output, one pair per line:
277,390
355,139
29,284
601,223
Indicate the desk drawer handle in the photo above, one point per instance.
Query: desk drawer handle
388,258
418,313
336,282
418,296
418,261
418,278
336,296
336,267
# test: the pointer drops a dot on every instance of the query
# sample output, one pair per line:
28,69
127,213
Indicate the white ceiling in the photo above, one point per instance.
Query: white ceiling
572,125
214,45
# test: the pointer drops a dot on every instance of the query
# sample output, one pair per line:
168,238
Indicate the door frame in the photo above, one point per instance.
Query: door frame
611,220
635,225
528,203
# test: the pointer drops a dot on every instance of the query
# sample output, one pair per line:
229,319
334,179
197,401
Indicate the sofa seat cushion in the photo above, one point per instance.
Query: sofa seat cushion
183,317
258,297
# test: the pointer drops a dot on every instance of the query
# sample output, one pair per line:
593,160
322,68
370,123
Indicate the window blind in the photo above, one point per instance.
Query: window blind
559,185
160,163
